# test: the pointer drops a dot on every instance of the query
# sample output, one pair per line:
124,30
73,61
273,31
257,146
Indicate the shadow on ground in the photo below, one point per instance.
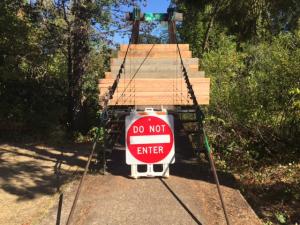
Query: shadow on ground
29,171
189,168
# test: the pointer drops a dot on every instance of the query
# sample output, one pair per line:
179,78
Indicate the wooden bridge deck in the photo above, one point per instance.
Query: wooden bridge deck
159,79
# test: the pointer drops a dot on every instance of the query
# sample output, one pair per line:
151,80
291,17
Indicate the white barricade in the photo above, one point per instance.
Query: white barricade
149,139
150,171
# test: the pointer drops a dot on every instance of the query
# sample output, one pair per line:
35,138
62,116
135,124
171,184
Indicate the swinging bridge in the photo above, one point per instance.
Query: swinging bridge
159,76
154,74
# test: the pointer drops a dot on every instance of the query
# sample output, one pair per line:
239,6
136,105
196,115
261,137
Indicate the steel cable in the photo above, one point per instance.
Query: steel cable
81,181
104,117
112,89
200,118
134,75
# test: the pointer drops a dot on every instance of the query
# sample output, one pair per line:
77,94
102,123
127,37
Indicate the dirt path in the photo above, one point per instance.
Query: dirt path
30,176
33,176
187,197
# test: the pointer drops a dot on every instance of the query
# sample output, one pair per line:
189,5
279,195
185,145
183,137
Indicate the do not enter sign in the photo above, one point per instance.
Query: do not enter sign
149,139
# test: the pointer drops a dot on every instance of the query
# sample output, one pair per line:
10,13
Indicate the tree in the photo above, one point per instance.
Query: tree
249,49
84,20
48,49
248,20
149,39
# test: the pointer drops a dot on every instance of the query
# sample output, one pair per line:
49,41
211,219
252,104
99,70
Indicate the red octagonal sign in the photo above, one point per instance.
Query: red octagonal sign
149,139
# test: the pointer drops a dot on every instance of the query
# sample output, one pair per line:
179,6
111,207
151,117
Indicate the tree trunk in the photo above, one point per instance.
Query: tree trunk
210,25
70,118
70,113
80,38
206,37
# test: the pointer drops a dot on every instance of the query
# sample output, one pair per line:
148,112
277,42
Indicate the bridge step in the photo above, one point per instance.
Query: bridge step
159,80
159,100
155,54
154,61
155,68
156,91
156,75
147,47
154,84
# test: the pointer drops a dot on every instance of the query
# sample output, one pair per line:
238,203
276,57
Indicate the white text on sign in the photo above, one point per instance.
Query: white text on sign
152,129
149,139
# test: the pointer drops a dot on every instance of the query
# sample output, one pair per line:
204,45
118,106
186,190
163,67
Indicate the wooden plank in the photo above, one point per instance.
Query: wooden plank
162,88
204,100
158,94
156,50
137,100
109,75
150,67
192,70
165,69
154,61
155,54
155,75
157,91
157,87
152,81
156,84
146,47
193,66
135,90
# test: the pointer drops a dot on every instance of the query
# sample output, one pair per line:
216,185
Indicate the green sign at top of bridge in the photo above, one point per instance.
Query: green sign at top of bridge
155,17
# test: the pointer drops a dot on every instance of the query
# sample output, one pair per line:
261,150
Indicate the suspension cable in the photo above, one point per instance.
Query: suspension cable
200,118
136,72
104,116
113,88
82,179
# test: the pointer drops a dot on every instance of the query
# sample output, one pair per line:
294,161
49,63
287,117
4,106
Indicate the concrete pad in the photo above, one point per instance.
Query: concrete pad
189,196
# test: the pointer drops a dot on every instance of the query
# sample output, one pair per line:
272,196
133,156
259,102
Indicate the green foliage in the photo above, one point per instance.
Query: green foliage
149,39
255,93
34,66
280,217
250,50
248,20
193,26
223,64
31,105
98,64
274,74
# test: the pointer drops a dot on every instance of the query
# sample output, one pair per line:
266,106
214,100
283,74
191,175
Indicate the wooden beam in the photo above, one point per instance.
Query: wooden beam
155,54
156,91
147,47
148,100
157,75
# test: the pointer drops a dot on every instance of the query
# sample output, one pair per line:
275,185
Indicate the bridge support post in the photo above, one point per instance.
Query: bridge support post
136,25
171,26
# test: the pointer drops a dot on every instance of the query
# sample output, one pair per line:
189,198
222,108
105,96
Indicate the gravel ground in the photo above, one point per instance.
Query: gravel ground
33,176
29,179
187,197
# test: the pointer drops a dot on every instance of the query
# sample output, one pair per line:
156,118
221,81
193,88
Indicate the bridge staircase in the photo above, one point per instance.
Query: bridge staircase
153,76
